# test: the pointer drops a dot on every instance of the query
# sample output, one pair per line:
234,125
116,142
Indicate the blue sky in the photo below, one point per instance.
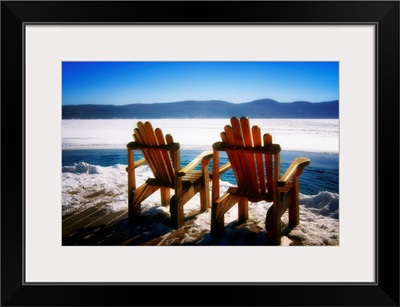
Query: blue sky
120,83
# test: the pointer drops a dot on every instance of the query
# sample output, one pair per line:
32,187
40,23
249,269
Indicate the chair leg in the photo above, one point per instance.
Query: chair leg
134,209
177,212
294,210
205,196
135,198
243,210
165,196
273,225
218,210
217,220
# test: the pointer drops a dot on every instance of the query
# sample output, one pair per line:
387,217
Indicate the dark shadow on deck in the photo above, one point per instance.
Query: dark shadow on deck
96,226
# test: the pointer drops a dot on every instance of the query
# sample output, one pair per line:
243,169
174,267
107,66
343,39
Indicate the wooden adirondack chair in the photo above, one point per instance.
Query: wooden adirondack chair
162,154
256,165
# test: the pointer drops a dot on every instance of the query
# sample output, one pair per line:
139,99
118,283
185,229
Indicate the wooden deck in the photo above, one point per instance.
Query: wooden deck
97,226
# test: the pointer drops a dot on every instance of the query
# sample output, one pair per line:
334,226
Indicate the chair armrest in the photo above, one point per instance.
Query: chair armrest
295,169
224,168
138,163
167,147
205,155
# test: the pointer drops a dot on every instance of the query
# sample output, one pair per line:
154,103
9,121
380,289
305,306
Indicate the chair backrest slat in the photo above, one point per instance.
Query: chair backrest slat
251,157
175,154
239,142
235,157
268,163
159,160
149,158
156,153
165,155
256,131
252,161
157,171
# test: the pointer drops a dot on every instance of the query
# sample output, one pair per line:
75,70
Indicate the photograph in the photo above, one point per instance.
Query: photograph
108,105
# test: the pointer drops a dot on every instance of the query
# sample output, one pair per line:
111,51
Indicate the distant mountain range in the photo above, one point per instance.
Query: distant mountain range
262,108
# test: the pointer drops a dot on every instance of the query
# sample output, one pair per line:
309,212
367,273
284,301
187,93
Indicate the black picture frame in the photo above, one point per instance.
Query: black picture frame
383,14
